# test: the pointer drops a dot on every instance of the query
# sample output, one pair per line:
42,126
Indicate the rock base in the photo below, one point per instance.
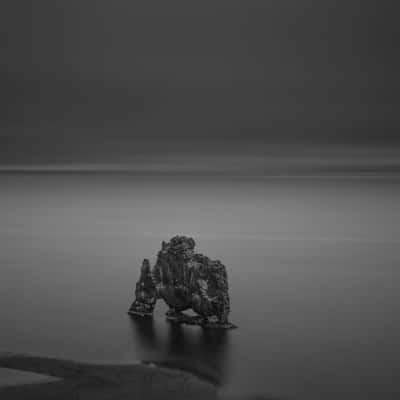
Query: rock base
198,320
140,313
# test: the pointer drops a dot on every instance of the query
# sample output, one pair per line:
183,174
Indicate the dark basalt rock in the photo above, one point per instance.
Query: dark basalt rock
145,292
184,280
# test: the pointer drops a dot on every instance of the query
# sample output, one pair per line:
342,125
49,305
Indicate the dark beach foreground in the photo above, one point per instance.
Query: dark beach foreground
78,380
66,379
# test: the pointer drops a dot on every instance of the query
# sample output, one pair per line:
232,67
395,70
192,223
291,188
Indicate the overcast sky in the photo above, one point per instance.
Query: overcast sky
106,81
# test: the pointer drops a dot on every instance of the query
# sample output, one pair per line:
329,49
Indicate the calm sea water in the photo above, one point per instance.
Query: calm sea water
313,270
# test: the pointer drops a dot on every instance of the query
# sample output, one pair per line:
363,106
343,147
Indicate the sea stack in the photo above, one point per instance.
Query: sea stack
185,280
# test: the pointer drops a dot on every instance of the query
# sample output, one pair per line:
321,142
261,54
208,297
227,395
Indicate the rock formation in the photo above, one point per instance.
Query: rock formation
184,280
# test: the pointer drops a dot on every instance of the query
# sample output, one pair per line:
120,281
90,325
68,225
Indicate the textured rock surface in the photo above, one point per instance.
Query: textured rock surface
184,280
145,292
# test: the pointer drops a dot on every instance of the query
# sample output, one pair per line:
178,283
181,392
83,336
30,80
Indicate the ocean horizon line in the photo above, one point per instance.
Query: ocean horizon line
299,172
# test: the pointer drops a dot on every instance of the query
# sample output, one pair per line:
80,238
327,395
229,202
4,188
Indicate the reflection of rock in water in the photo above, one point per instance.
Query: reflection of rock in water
214,345
203,352
144,331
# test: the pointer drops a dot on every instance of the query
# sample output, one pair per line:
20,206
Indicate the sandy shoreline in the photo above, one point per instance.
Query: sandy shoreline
78,380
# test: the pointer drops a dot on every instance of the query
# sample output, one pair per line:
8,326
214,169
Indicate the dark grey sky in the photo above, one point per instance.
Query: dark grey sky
104,81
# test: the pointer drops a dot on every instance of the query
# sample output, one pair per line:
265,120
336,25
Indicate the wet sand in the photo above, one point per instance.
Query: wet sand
79,380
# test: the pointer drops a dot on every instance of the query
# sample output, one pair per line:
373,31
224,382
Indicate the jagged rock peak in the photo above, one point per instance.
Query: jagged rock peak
184,280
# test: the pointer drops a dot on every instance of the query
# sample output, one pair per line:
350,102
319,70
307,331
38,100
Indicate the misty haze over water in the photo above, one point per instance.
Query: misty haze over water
312,264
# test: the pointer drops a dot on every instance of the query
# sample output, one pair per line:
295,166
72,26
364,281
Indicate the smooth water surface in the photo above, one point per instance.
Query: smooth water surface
313,270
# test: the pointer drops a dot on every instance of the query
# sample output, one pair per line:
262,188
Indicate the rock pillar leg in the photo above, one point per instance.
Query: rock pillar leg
145,292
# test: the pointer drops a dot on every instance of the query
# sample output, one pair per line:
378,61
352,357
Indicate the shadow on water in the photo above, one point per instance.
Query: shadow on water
203,352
